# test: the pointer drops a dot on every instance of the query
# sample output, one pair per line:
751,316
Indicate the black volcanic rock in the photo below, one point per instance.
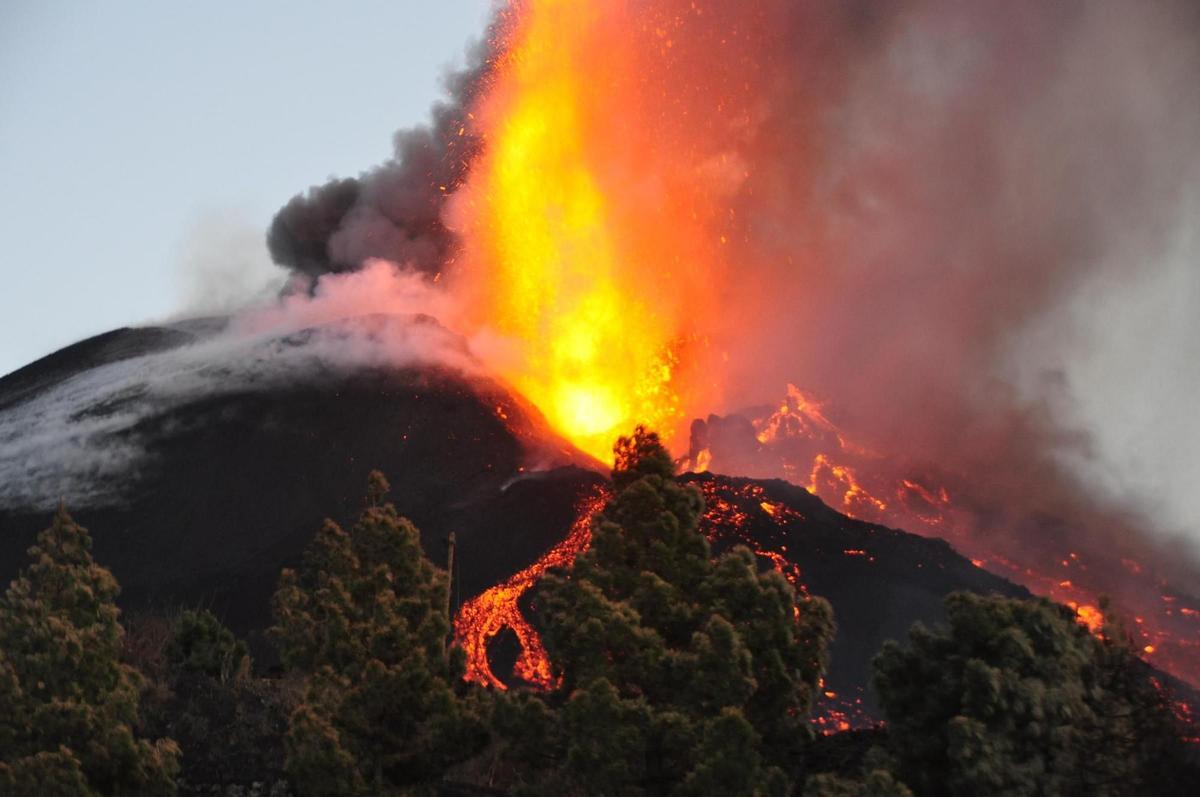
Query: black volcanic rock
224,489
878,580
218,489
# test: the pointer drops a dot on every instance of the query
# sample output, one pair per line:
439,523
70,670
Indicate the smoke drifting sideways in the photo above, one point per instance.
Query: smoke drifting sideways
394,211
928,213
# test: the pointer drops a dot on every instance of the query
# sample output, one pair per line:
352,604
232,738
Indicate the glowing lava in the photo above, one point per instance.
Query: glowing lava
486,615
813,450
596,229
841,479
591,307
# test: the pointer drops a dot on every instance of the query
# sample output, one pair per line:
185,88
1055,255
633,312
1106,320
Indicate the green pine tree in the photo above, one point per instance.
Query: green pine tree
1015,697
200,643
68,706
680,673
385,710
876,783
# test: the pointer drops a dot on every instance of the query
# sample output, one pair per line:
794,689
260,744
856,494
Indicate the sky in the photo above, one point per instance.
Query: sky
145,146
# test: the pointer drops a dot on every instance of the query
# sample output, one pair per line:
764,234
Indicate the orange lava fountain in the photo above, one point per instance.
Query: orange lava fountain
593,308
597,230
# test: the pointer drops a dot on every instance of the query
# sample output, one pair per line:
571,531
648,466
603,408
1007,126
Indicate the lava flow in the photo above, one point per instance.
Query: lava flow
735,514
497,608
487,614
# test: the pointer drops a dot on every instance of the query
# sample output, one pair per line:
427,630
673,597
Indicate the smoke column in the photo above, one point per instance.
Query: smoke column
391,212
924,212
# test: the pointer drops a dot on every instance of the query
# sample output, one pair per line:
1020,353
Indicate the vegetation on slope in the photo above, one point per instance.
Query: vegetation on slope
677,673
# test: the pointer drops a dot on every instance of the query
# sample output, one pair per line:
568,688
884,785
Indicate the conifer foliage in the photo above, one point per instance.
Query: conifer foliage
681,673
1015,697
68,706
385,710
200,643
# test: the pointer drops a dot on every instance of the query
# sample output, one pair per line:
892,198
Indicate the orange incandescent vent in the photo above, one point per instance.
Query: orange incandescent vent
588,262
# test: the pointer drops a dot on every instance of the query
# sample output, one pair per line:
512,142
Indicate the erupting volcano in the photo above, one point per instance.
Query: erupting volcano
588,222
612,227
840,256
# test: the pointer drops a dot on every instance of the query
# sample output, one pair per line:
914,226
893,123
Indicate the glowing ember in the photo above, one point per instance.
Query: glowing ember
835,713
1090,616
486,615
839,478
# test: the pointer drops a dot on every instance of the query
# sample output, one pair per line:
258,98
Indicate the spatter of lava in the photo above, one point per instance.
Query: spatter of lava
797,438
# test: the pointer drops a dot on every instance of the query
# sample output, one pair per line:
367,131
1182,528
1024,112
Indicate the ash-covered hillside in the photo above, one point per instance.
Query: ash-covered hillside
202,466
201,471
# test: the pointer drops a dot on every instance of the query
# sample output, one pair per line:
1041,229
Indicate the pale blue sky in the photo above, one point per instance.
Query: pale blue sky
127,127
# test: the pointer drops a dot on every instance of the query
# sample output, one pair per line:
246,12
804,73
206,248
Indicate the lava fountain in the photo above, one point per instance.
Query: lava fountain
592,255
676,207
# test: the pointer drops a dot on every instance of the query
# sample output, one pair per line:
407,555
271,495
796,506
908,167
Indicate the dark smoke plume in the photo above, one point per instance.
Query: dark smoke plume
393,211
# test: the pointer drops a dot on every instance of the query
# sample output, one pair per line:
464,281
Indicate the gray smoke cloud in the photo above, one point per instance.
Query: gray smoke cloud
973,227
969,225
393,211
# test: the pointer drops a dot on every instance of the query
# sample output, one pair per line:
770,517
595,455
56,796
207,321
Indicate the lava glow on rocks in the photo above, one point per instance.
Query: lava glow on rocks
487,614
596,229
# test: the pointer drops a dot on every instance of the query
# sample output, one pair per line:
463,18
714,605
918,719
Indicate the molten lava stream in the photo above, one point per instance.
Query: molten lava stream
487,614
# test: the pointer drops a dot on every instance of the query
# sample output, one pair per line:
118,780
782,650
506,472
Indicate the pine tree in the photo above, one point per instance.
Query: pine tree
875,783
68,705
200,643
680,673
385,710
1016,697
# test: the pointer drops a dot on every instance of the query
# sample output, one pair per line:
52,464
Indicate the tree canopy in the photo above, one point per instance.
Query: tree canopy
68,705
680,673
1014,697
385,710
200,643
